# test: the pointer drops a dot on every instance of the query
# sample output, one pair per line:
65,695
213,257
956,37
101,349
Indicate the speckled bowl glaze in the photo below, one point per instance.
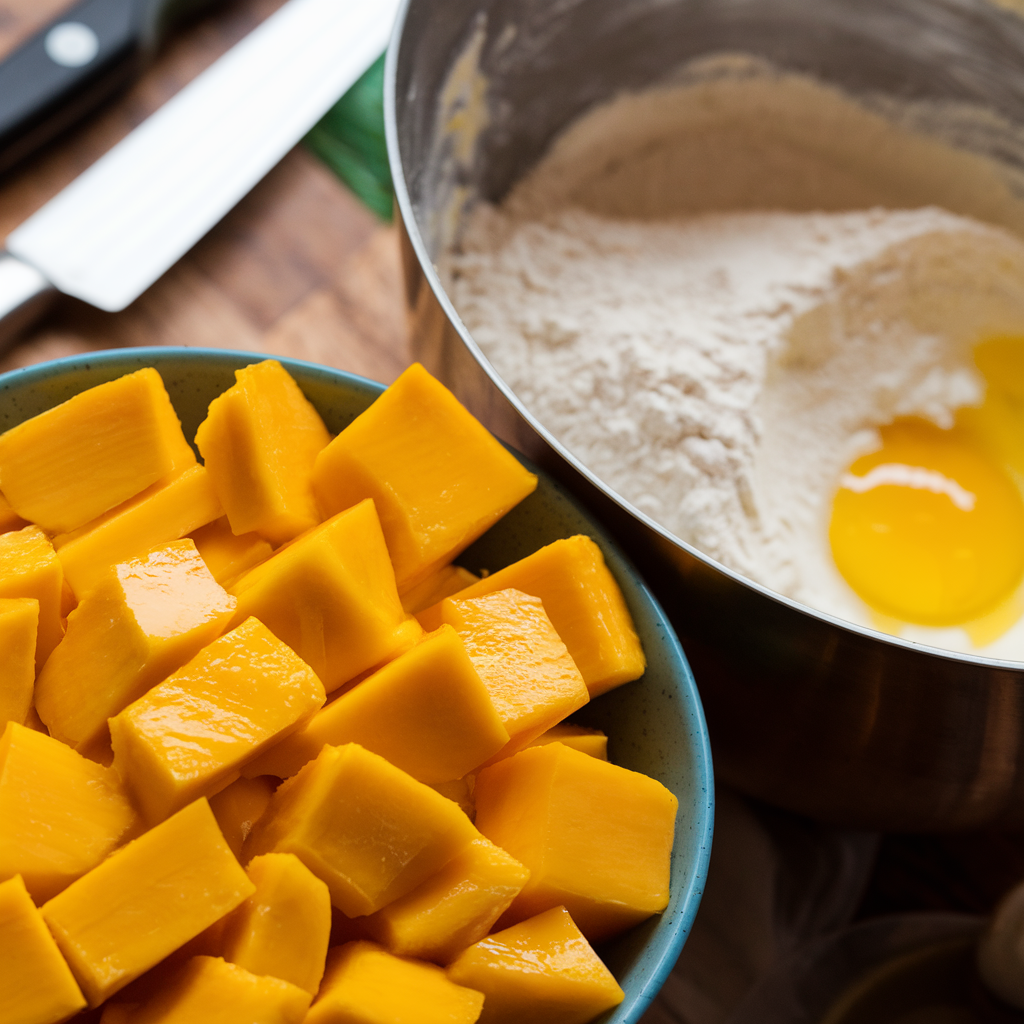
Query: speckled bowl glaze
655,725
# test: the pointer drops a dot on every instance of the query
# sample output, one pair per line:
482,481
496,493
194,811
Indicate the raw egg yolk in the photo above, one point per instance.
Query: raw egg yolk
929,529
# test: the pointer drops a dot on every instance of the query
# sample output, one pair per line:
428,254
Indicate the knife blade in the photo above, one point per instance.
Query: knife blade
128,218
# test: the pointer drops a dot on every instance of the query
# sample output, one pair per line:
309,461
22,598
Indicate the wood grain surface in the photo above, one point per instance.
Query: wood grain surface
299,268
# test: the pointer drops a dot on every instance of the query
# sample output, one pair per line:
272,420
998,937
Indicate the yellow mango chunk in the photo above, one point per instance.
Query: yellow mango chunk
283,927
149,615
542,971
597,838
452,909
60,813
330,595
438,478
163,512
365,984
68,601
115,923
579,737
238,807
189,735
226,555
427,712
206,990
531,678
460,791
19,622
363,826
407,636
9,519
72,463
448,580
36,985
29,568
33,721
584,604
259,442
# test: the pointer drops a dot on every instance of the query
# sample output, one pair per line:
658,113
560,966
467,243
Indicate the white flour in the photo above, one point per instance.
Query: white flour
720,370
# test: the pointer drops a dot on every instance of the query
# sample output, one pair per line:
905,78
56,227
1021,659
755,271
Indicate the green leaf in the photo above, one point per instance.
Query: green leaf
349,138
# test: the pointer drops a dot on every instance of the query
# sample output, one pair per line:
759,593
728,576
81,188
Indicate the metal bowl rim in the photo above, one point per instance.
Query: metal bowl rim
412,230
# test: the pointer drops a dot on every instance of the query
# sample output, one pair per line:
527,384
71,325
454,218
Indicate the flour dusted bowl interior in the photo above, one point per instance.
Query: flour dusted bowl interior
806,710
655,725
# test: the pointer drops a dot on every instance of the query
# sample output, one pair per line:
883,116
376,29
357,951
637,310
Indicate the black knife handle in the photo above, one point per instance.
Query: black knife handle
72,65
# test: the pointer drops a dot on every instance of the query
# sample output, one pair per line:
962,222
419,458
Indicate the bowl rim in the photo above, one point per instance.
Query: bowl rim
410,224
688,898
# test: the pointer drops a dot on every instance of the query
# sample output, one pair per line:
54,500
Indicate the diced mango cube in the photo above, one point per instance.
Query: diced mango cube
259,442
146,900
146,619
579,737
583,602
448,580
438,478
72,463
370,831
596,837
365,984
531,678
163,512
19,622
68,601
542,971
452,909
34,722
238,807
330,595
36,985
459,791
207,990
60,813
189,735
427,712
407,636
283,927
9,519
226,555
29,568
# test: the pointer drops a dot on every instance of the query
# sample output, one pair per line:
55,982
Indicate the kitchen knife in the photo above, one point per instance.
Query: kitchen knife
69,67
127,219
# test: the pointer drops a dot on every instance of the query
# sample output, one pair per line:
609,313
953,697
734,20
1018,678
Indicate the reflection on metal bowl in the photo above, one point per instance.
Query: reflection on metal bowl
807,712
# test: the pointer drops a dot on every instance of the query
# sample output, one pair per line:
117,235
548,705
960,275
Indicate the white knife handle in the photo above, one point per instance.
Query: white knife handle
24,294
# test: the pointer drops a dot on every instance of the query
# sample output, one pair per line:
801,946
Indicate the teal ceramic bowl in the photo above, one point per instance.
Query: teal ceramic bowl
655,725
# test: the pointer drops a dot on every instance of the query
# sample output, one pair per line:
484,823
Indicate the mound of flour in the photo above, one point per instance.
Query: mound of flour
720,369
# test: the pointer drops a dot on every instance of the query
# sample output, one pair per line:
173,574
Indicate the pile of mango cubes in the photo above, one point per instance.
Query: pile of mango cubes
270,756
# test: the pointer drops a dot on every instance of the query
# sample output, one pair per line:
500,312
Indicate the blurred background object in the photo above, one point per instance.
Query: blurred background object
350,140
67,67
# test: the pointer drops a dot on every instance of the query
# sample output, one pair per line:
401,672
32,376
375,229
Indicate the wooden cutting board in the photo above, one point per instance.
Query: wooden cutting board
300,267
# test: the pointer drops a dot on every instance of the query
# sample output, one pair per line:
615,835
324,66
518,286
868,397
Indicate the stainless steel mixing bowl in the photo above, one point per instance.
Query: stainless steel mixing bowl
806,711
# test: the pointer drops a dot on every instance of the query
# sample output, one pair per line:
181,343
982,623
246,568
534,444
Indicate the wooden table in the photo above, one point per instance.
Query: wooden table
299,268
